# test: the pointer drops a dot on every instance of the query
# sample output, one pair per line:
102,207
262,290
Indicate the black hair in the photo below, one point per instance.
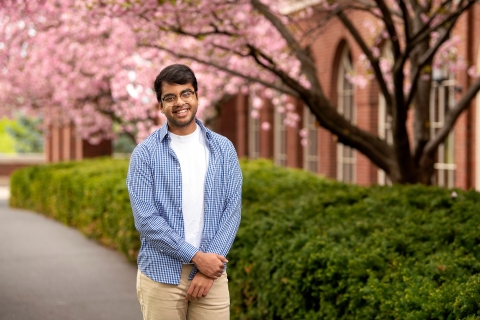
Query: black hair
177,74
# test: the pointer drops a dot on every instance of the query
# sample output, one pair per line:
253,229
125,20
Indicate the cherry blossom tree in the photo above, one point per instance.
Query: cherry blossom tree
255,41
69,64
93,62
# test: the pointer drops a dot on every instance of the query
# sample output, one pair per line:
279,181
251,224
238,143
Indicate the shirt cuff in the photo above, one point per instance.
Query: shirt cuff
186,252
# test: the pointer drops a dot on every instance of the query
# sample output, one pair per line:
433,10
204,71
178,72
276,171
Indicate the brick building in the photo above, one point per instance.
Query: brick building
335,51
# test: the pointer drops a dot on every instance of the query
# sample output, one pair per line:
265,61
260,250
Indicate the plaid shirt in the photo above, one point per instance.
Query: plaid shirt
154,183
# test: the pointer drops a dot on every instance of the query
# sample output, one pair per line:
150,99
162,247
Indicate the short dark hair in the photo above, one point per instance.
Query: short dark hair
177,74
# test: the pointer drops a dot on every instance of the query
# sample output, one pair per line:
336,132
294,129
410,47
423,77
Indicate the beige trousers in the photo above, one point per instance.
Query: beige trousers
161,301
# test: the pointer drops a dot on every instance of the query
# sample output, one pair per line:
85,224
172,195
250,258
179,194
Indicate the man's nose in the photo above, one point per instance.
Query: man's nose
178,101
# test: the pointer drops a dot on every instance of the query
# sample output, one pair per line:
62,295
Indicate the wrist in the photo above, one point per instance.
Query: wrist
197,257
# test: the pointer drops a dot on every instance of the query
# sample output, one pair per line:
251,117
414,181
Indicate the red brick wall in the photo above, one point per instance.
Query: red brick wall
63,144
232,122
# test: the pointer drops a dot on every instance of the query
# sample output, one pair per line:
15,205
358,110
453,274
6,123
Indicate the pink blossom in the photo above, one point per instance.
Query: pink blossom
303,132
425,77
424,17
255,114
472,72
357,80
265,126
257,103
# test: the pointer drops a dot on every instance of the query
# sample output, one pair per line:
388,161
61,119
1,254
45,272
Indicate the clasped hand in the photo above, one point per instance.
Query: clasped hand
210,264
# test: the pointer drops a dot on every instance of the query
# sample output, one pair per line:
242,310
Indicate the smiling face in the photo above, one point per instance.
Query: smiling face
180,115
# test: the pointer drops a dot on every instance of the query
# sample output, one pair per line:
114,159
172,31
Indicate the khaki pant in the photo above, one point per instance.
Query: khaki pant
161,301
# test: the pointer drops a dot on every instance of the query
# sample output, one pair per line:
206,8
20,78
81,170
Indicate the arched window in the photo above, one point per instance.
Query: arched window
442,98
310,151
346,159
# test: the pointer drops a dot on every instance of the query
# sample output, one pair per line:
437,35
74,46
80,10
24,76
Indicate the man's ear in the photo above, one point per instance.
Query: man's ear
160,106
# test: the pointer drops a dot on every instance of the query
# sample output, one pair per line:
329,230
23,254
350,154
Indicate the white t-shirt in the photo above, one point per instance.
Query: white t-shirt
192,153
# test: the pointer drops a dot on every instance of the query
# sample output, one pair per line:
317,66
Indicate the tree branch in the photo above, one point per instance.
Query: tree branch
426,59
451,118
308,65
390,26
406,20
289,81
426,31
223,68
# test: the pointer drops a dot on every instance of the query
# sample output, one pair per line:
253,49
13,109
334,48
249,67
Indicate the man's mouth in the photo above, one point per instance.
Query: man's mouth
181,112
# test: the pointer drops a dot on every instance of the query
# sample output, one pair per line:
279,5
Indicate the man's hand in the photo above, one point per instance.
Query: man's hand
199,287
210,264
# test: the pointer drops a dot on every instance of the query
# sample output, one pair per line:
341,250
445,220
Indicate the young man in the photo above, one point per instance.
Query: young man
185,189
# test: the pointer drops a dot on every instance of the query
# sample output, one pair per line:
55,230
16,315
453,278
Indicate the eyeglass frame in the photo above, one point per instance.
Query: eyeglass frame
172,103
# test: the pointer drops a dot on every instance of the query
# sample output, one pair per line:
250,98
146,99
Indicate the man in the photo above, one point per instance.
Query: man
185,187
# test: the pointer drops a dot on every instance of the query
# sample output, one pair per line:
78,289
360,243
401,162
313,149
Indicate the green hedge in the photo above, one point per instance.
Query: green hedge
90,195
307,248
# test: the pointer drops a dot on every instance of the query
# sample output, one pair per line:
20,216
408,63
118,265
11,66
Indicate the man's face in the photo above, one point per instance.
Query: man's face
180,114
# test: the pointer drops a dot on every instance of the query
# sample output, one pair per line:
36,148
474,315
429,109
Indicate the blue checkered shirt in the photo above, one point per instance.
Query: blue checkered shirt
154,183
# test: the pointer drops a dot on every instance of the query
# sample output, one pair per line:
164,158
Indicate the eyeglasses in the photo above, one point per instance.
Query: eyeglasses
172,99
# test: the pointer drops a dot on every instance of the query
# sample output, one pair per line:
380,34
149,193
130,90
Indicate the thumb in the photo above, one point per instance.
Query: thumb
222,258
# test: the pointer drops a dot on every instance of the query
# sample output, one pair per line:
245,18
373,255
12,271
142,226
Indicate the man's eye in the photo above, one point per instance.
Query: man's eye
187,94
169,99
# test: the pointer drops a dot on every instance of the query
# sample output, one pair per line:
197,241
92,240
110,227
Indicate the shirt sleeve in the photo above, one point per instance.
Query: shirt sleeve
148,221
230,220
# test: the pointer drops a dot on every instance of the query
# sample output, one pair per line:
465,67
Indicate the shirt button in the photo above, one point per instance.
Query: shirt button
179,186
179,208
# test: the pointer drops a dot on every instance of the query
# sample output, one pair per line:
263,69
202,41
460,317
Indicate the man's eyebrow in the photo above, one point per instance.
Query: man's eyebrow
183,91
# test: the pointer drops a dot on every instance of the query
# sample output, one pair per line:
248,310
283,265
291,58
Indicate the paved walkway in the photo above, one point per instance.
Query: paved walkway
50,271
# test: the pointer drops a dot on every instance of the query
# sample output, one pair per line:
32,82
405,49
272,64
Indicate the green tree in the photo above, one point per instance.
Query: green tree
26,135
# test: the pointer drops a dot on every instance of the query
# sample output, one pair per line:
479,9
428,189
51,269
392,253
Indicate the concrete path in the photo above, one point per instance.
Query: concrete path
50,271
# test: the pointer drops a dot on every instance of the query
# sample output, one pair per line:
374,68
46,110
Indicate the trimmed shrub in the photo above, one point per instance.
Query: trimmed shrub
90,195
307,247
310,248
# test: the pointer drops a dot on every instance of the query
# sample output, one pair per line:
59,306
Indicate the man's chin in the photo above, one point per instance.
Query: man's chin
184,123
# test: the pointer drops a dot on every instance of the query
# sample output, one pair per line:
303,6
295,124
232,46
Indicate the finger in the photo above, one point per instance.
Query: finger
189,293
222,258
196,293
204,292
207,289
